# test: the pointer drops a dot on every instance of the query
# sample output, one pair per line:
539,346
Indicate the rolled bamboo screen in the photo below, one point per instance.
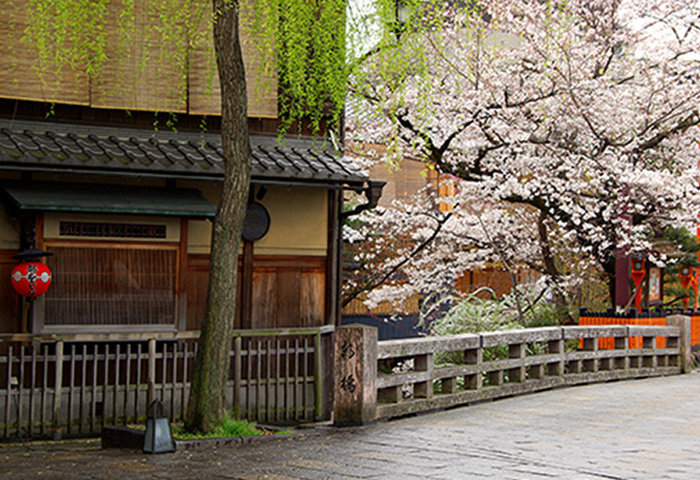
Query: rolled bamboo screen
160,63
143,70
204,96
20,74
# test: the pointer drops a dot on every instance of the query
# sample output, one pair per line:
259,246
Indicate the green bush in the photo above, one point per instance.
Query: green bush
471,314
525,307
229,427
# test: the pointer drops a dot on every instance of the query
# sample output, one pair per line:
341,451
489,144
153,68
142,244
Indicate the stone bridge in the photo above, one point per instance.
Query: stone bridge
383,380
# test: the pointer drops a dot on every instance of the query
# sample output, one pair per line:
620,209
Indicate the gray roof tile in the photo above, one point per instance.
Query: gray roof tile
112,150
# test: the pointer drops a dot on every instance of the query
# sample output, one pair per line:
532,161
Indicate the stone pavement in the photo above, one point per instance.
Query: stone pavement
643,429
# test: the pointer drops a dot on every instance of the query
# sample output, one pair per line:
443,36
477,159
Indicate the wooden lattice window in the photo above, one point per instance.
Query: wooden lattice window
112,285
111,230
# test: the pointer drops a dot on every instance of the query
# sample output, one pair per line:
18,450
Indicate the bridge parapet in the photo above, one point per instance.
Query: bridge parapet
401,377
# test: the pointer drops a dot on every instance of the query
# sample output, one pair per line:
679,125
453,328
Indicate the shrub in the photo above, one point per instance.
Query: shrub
229,427
525,307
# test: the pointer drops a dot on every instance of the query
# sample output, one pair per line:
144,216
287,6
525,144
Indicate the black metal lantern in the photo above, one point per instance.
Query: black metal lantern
158,438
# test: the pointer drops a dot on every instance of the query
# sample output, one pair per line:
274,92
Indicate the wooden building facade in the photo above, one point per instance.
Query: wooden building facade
127,220
117,174
126,208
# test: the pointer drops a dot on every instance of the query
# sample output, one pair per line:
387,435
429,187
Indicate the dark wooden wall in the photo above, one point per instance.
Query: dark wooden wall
10,301
64,113
288,291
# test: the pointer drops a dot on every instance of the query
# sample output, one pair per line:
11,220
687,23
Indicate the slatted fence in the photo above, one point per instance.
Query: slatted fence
75,384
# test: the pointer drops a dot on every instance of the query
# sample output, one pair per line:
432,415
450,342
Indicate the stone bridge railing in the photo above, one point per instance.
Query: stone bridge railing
377,380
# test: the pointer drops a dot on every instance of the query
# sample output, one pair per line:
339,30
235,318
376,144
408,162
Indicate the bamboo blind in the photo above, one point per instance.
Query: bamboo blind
112,286
408,179
205,97
144,70
19,68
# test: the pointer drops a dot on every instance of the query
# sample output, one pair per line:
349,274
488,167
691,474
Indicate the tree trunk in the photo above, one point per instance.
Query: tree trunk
207,401
610,270
551,269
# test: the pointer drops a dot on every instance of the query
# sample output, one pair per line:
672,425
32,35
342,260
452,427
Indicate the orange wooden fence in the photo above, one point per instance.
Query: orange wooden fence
651,318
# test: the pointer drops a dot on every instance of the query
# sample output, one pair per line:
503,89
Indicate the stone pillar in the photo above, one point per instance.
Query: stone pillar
355,397
686,353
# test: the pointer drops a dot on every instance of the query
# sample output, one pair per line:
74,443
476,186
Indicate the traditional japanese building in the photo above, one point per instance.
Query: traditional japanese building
118,176
127,214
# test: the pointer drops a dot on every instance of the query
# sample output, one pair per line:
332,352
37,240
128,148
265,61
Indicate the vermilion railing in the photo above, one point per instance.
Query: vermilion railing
634,318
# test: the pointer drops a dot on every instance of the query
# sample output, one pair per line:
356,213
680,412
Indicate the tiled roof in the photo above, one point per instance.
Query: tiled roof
91,149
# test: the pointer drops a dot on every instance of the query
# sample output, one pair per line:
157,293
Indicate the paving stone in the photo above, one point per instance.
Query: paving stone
636,430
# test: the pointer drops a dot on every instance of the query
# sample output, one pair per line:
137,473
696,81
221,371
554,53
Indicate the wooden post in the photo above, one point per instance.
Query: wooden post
8,389
151,371
686,360
58,392
333,259
237,362
318,378
246,277
37,305
181,318
355,399
247,285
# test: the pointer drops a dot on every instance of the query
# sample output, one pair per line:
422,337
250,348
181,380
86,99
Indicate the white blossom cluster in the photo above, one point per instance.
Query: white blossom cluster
581,116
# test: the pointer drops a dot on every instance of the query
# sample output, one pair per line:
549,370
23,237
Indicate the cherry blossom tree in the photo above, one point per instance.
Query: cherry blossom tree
567,126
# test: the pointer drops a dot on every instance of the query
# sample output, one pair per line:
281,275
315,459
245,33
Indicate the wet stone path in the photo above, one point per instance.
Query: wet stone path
643,429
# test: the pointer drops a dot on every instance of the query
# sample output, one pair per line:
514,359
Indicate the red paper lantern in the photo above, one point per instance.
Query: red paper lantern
31,279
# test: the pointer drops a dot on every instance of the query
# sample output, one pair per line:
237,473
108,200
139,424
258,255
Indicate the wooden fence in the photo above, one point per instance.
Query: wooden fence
399,377
643,318
75,384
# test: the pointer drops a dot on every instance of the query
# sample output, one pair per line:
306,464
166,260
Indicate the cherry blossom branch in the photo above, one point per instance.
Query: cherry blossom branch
380,278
